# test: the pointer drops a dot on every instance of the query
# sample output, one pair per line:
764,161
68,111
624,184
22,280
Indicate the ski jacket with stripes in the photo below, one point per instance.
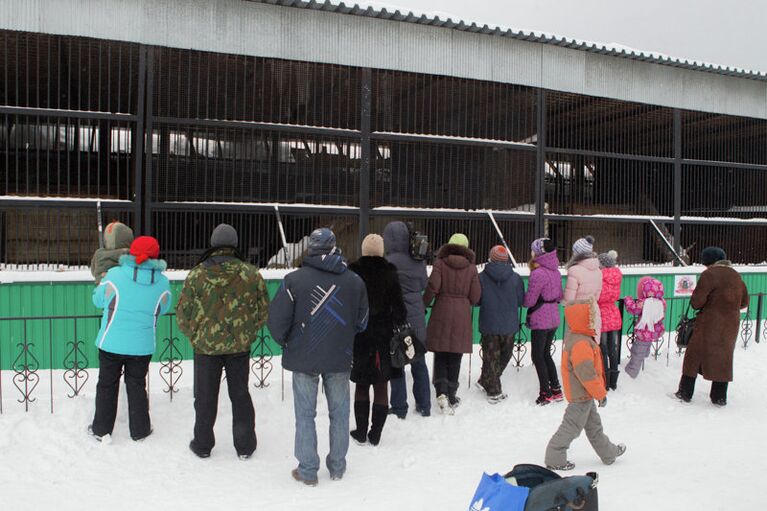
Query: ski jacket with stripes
133,297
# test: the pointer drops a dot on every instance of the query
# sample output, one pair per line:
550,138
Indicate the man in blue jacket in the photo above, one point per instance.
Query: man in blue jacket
314,317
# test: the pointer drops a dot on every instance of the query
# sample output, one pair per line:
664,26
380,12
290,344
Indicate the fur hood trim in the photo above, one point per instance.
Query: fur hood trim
449,249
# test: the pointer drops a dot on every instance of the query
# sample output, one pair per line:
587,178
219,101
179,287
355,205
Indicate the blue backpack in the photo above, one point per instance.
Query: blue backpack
551,492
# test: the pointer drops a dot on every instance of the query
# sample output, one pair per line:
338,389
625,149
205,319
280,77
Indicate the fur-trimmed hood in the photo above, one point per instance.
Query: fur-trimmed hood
581,317
456,256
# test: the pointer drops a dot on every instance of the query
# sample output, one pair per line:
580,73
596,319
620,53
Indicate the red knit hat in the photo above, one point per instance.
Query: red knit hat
499,254
145,247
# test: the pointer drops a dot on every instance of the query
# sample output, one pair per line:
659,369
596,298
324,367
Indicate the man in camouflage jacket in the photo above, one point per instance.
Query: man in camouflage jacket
222,307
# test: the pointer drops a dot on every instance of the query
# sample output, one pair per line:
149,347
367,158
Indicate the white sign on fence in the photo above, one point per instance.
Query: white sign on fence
684,285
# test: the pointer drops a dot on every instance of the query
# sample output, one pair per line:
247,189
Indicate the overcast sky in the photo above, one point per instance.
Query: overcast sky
725,32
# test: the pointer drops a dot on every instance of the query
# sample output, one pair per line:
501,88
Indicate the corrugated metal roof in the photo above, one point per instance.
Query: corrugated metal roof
436,21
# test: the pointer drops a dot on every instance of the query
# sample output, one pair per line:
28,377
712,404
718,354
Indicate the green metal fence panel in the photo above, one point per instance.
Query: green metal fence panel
52,341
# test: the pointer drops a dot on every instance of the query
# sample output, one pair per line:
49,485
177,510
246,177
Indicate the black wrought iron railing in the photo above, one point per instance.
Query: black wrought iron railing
58,351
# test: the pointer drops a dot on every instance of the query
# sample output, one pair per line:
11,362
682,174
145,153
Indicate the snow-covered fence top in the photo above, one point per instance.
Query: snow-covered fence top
11,276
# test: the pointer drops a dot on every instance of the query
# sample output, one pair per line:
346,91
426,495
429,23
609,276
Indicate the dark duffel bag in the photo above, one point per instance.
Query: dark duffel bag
551,492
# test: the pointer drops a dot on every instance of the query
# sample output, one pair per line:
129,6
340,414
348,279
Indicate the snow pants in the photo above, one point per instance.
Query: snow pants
135,368
447,367
207,383
640,350
496,354
580,416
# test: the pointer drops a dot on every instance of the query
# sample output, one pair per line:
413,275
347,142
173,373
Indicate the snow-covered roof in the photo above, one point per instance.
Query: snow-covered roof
379,11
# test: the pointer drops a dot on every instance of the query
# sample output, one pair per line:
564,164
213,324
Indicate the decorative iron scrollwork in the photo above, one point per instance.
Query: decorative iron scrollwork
261,364
746,329
657,346
520,349
76,368
630,333
25,377
170,365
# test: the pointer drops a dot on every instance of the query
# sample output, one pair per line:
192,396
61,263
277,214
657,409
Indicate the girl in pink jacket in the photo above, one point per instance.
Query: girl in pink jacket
651,309
584,278
611,317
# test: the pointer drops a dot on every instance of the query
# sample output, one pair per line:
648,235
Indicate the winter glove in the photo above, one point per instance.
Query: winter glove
603,402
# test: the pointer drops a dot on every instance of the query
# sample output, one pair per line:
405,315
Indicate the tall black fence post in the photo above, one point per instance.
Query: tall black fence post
677,182
540,167
366,92
759,317
138,145
148,195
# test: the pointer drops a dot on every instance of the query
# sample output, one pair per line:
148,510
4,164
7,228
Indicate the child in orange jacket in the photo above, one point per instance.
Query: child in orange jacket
583,381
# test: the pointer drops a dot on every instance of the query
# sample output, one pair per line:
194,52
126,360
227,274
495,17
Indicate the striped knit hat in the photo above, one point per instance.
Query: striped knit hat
499,254
584,246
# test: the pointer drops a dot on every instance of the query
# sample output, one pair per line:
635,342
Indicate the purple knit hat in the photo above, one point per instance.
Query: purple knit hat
537,246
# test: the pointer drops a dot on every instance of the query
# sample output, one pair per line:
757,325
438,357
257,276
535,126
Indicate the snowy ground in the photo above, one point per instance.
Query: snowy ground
679,456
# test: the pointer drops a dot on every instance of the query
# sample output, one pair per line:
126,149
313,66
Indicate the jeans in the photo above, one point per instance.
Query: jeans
111,366
421,390
207,382
336,387
540,346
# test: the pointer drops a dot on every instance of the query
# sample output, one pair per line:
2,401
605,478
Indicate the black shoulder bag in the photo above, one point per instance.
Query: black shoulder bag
405,347
684,328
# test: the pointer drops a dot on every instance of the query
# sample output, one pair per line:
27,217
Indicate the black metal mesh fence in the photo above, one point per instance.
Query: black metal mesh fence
577,184
205,85
34,237
480,231
441,105
93,119
607,125
68,73
724,138
216,164
431,175
724,191
185,235
43,156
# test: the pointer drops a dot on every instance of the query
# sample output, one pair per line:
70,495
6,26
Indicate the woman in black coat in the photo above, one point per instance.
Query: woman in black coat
371,365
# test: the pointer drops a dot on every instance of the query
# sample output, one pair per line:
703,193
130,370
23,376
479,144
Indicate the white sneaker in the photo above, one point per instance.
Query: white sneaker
494,400
444,405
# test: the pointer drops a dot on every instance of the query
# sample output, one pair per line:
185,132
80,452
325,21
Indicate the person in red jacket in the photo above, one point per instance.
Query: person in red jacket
611,317
583,382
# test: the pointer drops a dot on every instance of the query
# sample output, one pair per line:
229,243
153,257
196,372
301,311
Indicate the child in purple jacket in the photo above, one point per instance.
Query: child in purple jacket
544,292
651,309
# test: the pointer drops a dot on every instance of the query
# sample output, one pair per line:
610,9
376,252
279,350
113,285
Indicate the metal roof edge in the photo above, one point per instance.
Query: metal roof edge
395,14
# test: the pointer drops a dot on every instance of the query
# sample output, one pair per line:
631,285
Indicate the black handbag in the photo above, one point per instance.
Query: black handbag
684,328
405,347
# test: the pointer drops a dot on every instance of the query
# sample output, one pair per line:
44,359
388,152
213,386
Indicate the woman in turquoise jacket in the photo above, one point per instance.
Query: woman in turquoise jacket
133,295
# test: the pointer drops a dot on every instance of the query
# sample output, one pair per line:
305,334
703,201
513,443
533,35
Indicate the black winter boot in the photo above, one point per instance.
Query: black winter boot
361,415
614,379
377,423
452,389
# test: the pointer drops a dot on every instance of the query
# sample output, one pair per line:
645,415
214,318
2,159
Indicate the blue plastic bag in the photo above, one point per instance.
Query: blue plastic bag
495,494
